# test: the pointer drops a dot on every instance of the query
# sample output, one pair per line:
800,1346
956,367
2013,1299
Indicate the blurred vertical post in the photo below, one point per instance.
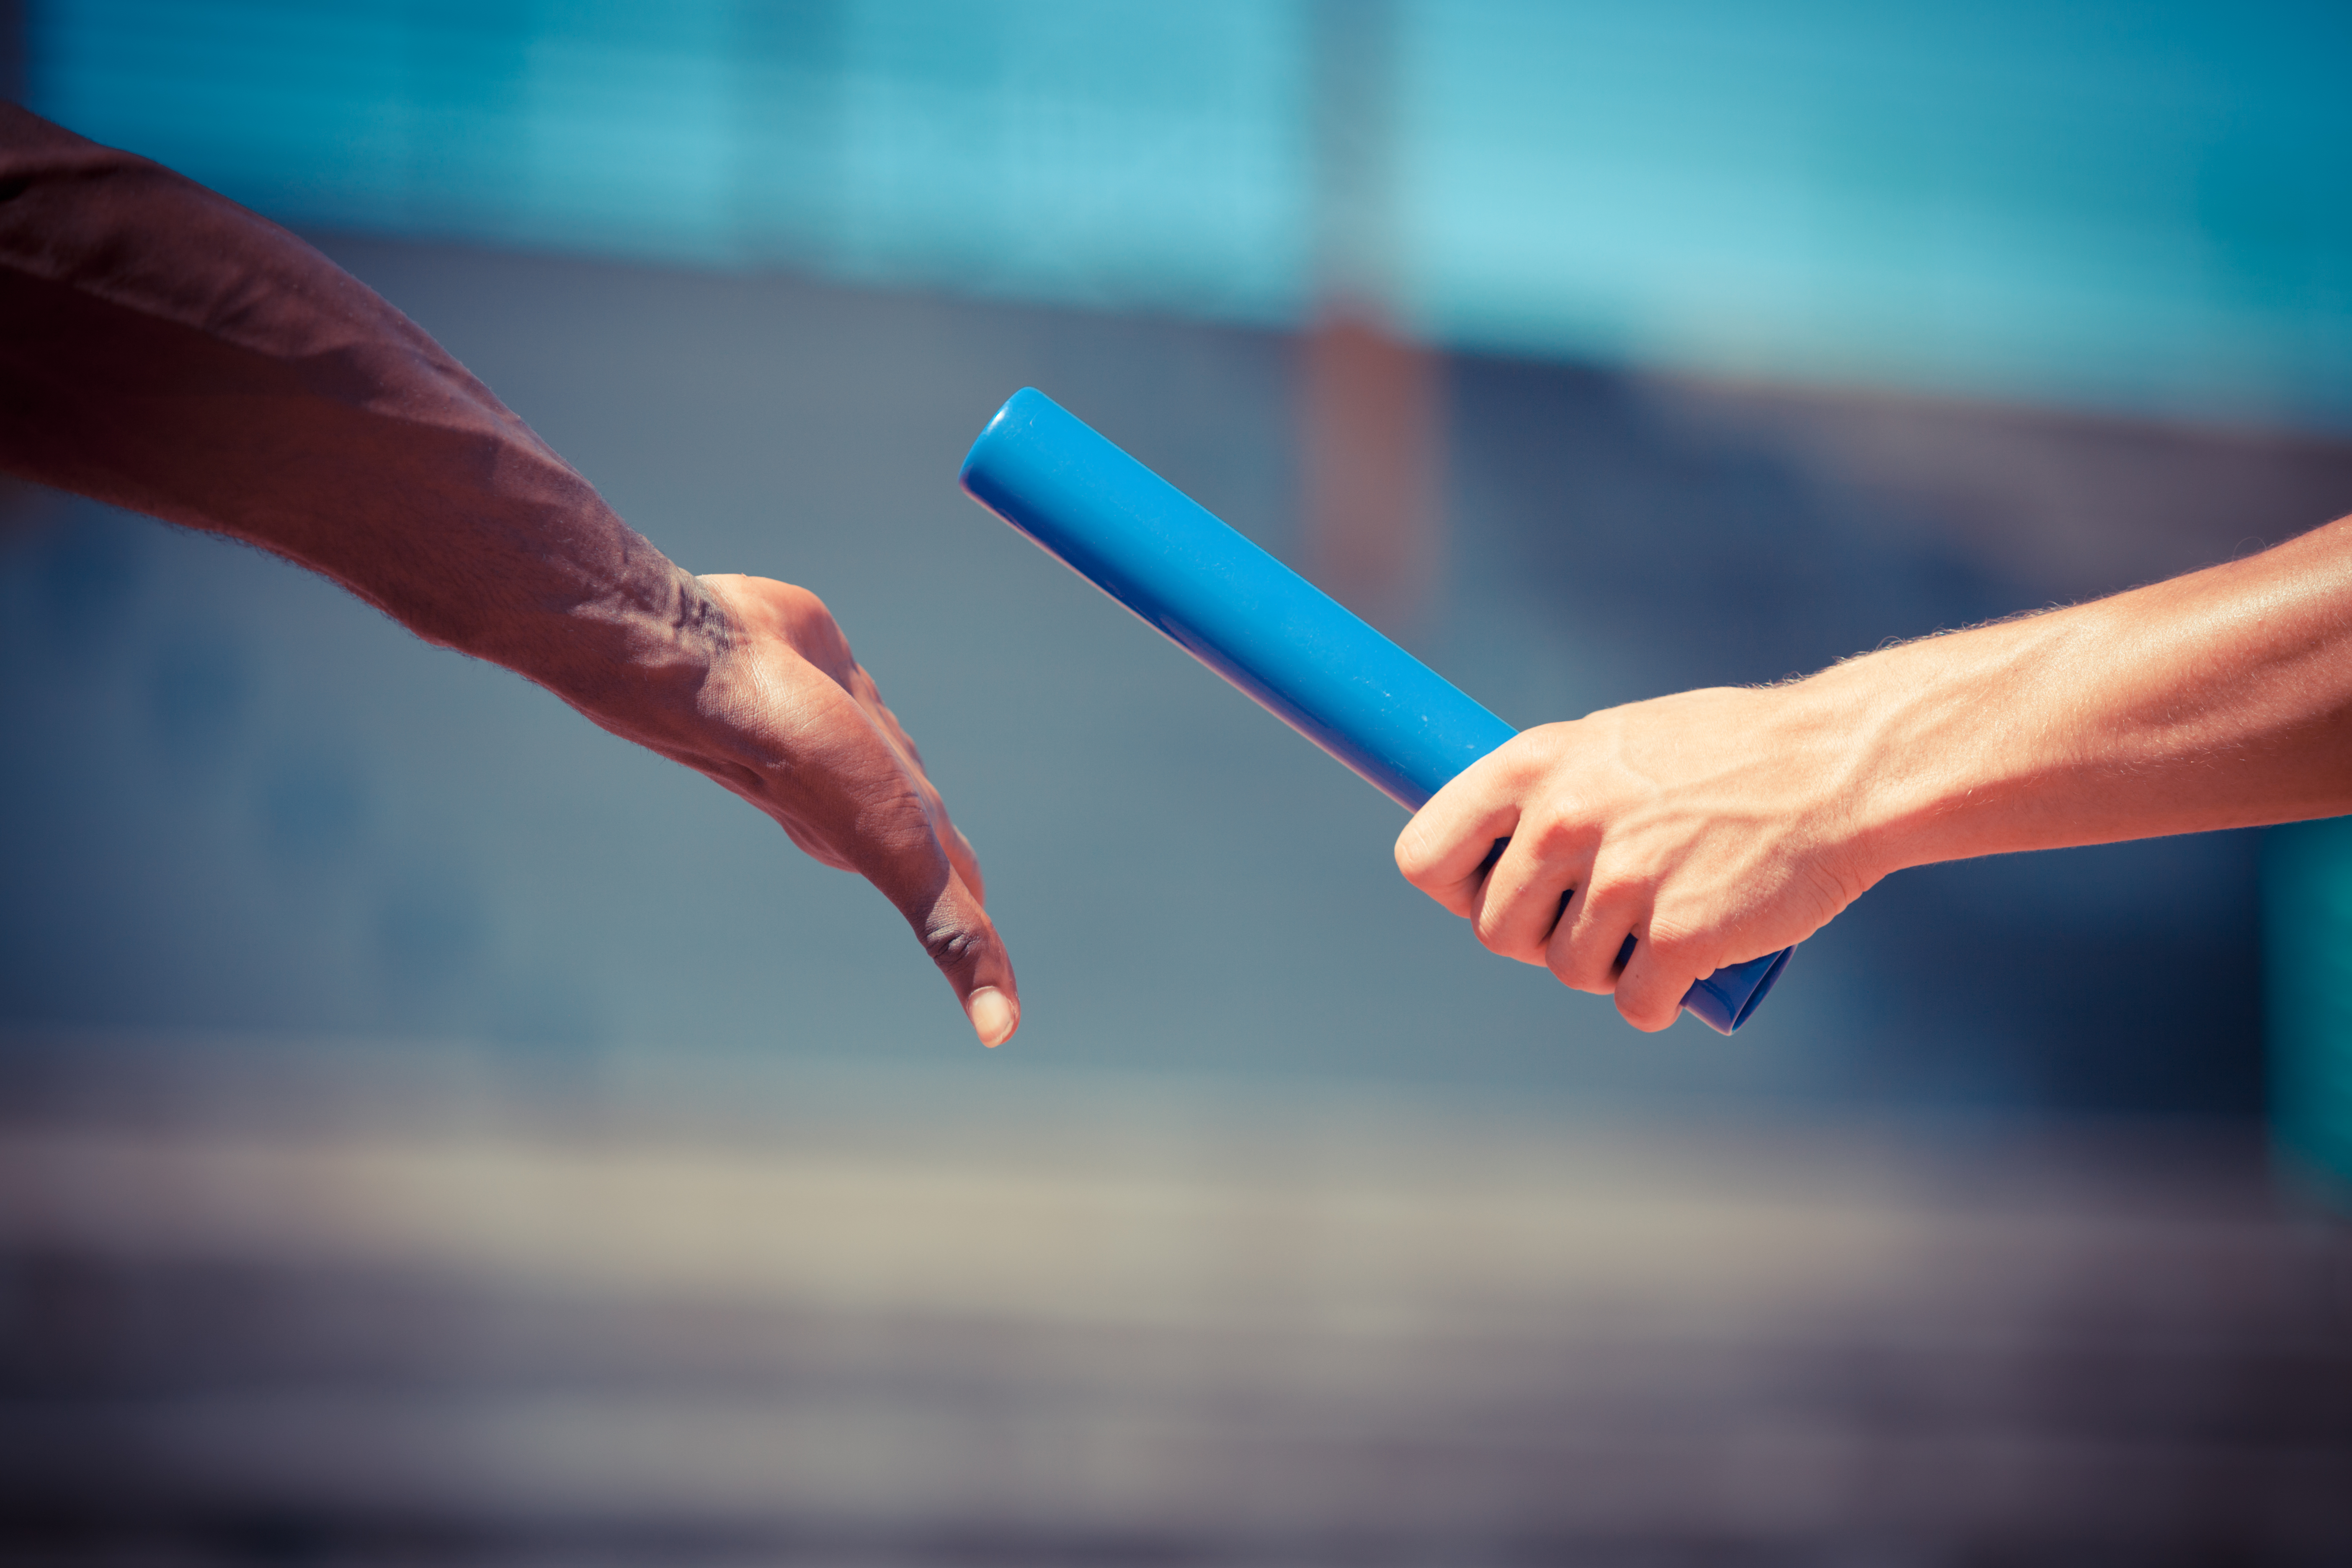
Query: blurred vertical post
2308,996
1370,424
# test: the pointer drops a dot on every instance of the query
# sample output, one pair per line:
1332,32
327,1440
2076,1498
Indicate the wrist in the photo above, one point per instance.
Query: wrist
1955,741
633,650
1841,731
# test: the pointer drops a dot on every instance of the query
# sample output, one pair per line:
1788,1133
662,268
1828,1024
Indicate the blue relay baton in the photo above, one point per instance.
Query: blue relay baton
1296,650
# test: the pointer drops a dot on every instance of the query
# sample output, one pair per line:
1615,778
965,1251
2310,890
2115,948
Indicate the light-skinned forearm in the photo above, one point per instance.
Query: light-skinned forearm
1717,825
2223,698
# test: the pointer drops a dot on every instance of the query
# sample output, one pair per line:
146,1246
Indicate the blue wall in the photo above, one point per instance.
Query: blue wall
2133,205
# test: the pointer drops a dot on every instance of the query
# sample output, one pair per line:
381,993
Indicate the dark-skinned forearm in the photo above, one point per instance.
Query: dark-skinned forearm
164,349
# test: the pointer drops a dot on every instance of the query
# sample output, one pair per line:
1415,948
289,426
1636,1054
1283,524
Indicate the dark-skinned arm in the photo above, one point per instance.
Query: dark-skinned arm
164,349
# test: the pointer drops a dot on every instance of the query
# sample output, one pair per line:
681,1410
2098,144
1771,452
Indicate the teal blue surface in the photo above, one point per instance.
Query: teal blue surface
1296,651
2139,207
2307,965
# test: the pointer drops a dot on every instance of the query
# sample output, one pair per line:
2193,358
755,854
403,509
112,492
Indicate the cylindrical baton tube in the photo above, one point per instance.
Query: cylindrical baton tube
1297,651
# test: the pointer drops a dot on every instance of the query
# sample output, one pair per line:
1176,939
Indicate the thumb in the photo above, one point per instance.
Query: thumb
956,932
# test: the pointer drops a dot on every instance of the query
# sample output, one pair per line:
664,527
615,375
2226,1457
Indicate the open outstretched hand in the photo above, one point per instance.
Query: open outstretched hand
787,719
182,357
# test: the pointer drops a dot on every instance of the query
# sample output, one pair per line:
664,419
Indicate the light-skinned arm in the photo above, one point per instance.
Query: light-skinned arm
1717,826
164,349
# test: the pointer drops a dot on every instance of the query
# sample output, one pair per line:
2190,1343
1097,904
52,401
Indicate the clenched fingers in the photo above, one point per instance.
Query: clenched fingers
1450,845
1587,950
1520,901
1656,978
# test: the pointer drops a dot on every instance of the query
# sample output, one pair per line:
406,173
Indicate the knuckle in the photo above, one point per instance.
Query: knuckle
1415,856
1583,962
1602,918
1640,1005
795,600
1672,943
1557,836
1498,936
1606,897
1577,973
952,946
1538,749
1487,922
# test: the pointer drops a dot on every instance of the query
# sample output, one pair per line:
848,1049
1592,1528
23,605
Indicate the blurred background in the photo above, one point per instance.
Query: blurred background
431,1129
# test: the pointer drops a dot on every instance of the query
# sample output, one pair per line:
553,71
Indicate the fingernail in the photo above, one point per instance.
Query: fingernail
991,1015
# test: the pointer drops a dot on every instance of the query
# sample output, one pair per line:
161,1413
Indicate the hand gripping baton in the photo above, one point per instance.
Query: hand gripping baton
1303,657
